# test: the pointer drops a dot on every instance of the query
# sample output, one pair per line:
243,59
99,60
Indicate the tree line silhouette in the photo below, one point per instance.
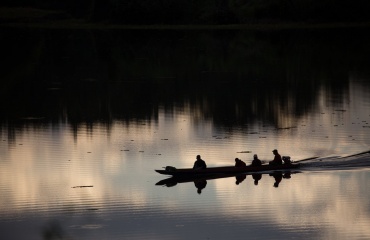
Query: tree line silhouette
203,12
230,76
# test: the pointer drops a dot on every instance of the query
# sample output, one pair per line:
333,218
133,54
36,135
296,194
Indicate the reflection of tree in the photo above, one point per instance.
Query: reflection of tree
205,12
229,77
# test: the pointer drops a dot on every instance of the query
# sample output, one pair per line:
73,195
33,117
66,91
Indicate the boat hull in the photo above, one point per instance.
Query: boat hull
225,170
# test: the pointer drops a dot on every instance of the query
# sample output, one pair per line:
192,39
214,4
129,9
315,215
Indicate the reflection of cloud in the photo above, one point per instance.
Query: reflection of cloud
335,204
49,160
118,162
41,174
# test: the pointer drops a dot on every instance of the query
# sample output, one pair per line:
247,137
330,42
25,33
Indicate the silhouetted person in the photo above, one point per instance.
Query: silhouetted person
277,159
240,178
239,163
199,163
200,185
256,177
256,162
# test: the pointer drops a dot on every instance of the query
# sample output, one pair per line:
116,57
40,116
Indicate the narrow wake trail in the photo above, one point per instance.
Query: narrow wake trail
355,161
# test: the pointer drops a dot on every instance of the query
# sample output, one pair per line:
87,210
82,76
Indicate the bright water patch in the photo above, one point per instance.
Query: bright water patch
101,184
78,162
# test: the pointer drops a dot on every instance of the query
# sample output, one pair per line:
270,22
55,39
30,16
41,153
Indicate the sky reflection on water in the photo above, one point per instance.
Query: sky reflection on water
99,181
78,148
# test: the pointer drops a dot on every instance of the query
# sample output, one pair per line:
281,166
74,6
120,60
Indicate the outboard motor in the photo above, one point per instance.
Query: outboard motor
286,160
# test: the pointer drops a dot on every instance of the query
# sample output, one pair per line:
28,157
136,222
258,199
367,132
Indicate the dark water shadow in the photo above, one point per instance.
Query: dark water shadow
232,77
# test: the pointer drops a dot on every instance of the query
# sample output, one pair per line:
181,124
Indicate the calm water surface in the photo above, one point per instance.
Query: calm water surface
77,160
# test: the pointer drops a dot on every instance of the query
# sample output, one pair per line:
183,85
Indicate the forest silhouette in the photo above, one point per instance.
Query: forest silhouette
230,76
213,12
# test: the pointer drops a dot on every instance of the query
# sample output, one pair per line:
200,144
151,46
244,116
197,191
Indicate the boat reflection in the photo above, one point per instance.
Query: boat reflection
279,176
200,182
256,177
240,178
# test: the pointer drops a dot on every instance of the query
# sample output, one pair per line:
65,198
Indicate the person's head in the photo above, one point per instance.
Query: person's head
255,156
198,157
236,159
275,151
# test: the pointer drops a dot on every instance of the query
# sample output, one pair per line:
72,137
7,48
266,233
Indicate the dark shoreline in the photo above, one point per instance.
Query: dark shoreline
251,26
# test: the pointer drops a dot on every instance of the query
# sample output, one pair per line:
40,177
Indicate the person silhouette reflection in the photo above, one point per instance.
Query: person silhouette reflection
287,175
240,178
200,184
256,177
278,177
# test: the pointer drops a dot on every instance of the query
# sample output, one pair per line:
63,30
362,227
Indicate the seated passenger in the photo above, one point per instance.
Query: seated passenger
239,163
256,162
199,163
277,159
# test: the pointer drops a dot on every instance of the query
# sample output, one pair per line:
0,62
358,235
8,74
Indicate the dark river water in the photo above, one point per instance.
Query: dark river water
87,116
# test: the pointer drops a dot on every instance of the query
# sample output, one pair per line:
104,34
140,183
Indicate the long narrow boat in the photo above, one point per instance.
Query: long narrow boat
224,170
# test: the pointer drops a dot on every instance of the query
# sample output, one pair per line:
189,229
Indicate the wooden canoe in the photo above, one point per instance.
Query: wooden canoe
225,170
